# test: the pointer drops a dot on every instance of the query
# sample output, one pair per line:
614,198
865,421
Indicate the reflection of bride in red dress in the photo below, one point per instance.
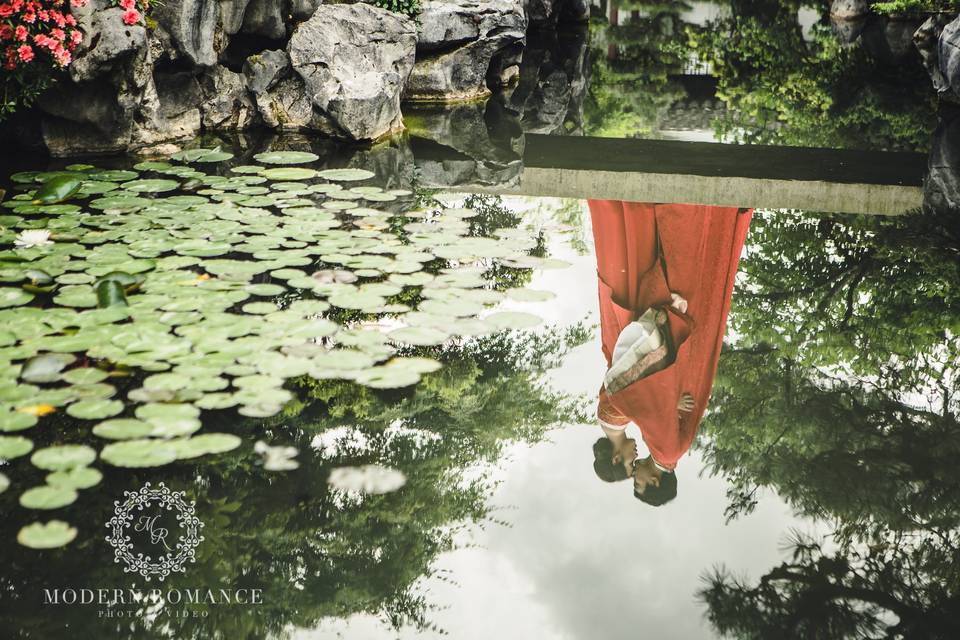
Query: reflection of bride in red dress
675,263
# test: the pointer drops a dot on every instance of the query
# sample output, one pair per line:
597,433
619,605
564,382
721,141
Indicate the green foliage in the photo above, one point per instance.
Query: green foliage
315,552
904,586
783,89
407,7
839,395
21,88
916,6
630,89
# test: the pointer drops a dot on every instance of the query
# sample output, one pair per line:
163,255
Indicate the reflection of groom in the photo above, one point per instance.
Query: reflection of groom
666,274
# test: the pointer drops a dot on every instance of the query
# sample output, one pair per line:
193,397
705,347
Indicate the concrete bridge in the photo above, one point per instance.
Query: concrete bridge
885,183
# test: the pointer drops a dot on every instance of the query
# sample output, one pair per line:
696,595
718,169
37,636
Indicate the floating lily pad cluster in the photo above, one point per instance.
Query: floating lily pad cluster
211,291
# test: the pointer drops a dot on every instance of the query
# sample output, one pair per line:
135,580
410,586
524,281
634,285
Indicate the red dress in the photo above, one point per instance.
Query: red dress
696,257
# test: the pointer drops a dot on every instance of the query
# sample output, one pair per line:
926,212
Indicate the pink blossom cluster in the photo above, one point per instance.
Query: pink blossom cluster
38,28
133,10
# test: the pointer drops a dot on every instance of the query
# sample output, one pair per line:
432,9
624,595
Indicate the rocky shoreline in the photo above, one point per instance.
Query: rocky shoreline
341,69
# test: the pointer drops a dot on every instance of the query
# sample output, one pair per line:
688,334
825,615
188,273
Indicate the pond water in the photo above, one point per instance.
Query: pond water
284,387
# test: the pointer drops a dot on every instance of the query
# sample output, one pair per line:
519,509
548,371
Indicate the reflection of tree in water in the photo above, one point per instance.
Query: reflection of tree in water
783,89
841,398
630,85
314,551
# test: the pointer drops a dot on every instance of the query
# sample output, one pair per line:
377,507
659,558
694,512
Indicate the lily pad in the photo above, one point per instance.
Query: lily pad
78,478
419,336
49,535
157,185
204,444
95,409
387,377
16,421
84,375
289,173
286,157
14,447
47,497
346,175
138,453
123,429
14,297
45,367
61,457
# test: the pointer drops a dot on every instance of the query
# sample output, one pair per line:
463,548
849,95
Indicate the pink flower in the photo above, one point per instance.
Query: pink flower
58,34
6,10
70,20
25,53
17,5
75,38
21,33
131,17
76,4
29,16
40,40
128,4
6,32
62,56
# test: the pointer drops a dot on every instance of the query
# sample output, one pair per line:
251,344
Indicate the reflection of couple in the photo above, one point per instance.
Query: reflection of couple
666,274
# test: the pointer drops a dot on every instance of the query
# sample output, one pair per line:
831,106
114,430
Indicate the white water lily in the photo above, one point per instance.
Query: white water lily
370,478
276,458
33,238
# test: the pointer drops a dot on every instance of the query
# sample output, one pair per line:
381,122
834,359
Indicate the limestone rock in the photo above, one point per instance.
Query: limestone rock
231,15
266,69
107,42
303,9
286,105
464,46
354,60
849,9
948,58
889,40
547,13
554,77
463,149
226,104
265,18
941,188
539,12
191,27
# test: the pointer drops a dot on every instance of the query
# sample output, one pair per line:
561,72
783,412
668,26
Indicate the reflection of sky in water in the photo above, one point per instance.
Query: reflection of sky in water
582,558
